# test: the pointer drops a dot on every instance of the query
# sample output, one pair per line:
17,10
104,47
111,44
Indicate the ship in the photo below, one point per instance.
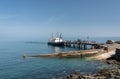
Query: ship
56,41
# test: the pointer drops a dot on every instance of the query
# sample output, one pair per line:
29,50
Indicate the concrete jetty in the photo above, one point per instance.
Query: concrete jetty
83,45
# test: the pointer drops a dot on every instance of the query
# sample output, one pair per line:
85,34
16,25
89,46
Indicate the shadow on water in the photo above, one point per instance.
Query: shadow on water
77,58
35,42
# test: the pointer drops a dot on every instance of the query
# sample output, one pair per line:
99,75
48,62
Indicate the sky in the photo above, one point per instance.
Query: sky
36,19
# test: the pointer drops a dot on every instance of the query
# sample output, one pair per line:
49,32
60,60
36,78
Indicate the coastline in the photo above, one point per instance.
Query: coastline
104,56
97,54
103,53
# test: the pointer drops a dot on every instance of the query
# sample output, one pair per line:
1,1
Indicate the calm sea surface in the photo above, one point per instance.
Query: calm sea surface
13,66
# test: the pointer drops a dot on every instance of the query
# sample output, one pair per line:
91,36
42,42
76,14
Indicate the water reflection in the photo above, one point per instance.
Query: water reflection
56,49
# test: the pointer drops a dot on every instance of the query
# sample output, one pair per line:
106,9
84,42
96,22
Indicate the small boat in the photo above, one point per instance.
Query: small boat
57,41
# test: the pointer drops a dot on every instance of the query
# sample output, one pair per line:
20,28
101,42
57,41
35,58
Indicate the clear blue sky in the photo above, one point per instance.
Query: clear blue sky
34,19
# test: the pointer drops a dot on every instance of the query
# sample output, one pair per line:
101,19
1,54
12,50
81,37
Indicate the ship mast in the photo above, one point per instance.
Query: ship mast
52,35
60,35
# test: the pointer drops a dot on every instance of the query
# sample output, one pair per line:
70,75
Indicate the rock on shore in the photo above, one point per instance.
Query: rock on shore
117,54
102,74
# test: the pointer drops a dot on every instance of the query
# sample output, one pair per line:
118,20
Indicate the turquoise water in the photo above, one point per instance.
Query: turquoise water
13,66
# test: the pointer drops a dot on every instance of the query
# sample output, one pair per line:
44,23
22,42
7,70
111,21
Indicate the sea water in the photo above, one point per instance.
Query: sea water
14,66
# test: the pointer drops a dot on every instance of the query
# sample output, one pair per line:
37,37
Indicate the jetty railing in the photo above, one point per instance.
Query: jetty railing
82,44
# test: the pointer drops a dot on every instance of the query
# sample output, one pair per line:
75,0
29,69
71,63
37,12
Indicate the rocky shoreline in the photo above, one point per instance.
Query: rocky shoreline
104,73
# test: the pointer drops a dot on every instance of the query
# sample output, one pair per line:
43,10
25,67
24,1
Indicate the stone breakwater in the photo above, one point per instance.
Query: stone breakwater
80,53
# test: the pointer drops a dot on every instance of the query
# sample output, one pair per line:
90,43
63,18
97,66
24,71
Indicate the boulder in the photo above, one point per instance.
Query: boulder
109,42
117,54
